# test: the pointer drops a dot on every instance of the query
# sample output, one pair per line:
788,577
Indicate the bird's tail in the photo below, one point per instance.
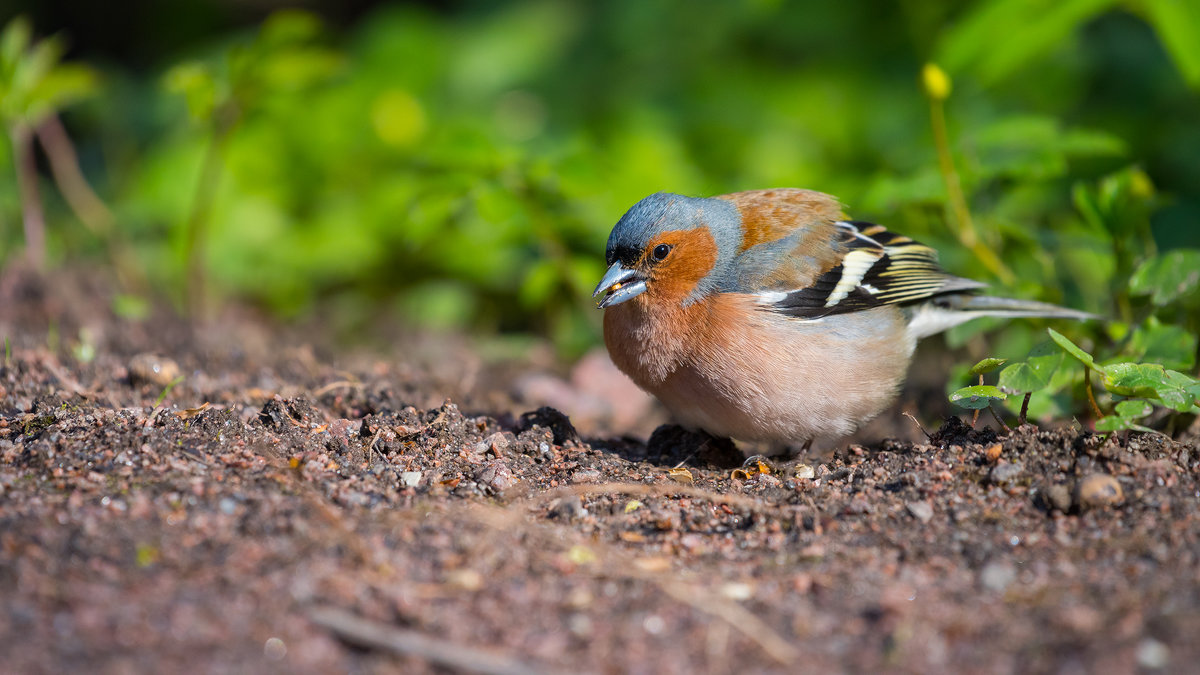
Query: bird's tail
947,311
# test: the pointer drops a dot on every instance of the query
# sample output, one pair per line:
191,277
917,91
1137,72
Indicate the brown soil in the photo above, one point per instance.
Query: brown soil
289,510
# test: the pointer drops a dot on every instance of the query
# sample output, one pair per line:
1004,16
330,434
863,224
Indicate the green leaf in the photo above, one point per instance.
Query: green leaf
1177,23
1074,350
986,366
1134,379
1112,423
14,41
1171,346
1034,373
1168,277
971,45
1150,380
1134,408
976,397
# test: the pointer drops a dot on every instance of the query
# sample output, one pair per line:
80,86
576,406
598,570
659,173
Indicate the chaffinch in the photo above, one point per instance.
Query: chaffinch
766,316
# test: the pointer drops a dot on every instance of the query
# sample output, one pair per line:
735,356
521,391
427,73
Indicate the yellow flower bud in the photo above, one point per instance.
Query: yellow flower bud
937,82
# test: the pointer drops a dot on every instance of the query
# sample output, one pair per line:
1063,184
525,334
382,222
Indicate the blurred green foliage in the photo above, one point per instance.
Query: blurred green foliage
461,168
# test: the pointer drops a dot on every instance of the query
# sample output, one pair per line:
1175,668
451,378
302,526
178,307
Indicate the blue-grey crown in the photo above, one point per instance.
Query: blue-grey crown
665,211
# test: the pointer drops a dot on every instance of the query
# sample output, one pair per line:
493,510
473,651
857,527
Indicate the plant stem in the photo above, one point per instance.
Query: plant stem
196,230
1087,378
1024,408
32,216
999,419
964,225
88,207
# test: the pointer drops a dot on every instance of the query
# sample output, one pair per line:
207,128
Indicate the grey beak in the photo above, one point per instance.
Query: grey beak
621,284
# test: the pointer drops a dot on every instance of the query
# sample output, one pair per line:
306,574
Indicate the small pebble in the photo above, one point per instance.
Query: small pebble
153,369
410,478
1059,497
274,649
997,576
922,511
1098,489
805,472
1153,655
1005,472
567,508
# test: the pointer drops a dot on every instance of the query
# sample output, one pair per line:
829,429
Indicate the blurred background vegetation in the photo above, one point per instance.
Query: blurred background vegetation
459,165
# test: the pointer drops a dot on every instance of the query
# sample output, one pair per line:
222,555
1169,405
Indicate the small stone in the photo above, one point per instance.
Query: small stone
567,508
153,369
497,444
1098,489
1059,497
992,452
1005,472
805,472
496,475
997,576
585,476
922,511
410,478
1153,655
737,590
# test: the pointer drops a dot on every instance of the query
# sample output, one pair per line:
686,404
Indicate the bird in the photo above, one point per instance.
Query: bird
768,317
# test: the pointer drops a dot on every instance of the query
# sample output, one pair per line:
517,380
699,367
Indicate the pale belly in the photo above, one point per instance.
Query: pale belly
781,381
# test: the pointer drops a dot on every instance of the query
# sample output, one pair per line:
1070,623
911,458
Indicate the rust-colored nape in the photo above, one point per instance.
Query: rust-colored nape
768,215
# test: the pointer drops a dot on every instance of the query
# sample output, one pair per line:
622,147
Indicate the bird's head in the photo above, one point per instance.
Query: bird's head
669,248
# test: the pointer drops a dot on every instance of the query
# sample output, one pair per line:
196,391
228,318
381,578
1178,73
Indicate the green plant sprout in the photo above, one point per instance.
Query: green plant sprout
220,94
1143,385
167,390
34,86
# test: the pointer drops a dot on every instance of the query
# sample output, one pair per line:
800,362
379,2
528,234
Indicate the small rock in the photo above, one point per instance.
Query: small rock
1005,472
585,476
496,475
804,472
410,478
1153,655
997,576
567,508
153,369
497,444
1098,489
922,511
1059,497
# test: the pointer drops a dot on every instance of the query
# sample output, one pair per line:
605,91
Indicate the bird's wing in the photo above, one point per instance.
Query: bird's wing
802,258
876,267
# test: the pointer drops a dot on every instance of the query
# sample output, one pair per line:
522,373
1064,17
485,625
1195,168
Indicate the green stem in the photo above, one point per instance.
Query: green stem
964,225
32,216
196,231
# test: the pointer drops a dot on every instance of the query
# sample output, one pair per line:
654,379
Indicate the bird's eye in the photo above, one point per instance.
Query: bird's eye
660,252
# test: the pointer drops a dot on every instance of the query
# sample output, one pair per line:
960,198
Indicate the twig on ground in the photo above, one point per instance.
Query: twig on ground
336,385
914,421
373,634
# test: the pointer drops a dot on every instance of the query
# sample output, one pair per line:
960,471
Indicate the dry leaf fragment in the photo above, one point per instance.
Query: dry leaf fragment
192,412
680,475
